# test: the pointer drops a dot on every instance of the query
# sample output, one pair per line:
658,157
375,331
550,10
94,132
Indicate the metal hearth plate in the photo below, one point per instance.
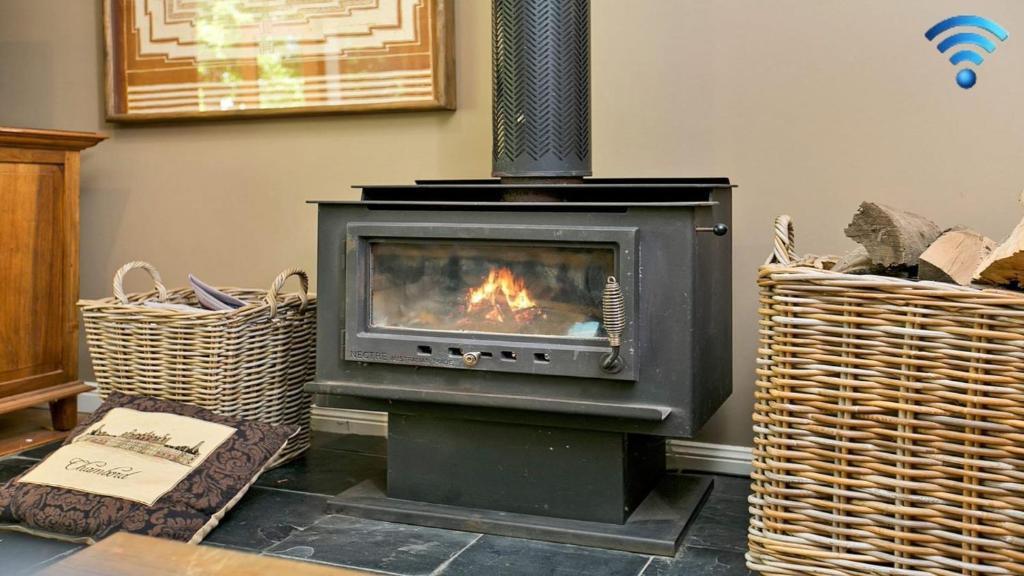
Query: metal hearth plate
656,527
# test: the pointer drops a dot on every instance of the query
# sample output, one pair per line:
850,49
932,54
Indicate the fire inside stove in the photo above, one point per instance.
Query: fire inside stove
491,288
502,296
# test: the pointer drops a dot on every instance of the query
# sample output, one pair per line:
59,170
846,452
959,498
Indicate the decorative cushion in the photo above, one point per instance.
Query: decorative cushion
142,465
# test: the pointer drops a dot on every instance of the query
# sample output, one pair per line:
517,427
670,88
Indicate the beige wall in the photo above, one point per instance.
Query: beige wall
809,105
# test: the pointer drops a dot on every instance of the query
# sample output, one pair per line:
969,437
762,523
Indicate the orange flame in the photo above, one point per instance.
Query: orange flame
500,284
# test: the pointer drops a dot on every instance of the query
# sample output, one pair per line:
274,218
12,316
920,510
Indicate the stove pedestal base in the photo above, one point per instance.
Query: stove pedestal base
655,527
585,487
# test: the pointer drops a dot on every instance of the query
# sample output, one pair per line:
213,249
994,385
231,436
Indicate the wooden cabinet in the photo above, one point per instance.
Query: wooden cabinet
39,270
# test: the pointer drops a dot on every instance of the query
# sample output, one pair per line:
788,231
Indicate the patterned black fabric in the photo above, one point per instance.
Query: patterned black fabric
185,513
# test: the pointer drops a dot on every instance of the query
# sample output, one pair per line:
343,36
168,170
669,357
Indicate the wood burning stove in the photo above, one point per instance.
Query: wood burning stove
533,338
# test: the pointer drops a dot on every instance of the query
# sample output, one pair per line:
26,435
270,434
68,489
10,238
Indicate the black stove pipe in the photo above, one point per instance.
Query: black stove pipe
541,89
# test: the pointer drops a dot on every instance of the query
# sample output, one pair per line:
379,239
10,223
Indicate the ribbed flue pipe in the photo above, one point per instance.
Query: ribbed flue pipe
541,88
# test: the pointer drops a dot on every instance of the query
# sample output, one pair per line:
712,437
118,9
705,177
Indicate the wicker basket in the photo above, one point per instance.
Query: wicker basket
251,362
889,425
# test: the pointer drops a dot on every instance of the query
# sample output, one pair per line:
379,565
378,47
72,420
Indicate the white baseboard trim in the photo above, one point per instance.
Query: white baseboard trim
705,457
89,401
350,421
680,454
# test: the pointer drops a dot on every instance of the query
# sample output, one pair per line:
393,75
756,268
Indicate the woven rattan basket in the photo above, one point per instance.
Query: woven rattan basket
251,362
889,425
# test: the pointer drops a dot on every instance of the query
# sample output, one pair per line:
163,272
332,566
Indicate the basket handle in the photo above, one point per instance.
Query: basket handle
119,280
784,244
279,283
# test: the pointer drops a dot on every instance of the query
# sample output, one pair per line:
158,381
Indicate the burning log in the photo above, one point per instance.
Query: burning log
500,285
500,298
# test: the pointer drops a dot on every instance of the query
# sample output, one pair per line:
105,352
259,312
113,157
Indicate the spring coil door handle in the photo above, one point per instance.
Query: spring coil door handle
613,311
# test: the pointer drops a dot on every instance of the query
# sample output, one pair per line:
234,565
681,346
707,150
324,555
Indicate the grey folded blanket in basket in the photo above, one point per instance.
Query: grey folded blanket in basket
210,298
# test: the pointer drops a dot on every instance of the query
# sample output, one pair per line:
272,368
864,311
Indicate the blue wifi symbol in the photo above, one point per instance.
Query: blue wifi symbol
966,77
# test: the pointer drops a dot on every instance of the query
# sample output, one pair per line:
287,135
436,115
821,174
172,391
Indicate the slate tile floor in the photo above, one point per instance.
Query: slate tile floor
283,515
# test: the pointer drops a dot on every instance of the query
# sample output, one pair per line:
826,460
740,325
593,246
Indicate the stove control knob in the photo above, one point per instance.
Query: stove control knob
471,359
719,229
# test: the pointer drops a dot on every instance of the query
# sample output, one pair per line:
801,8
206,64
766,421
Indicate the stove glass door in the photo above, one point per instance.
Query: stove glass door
489,287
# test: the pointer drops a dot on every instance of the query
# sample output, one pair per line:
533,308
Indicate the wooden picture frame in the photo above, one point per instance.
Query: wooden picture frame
216,59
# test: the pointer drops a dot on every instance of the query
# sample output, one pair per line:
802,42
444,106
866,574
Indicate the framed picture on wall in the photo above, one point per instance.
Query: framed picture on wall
194,59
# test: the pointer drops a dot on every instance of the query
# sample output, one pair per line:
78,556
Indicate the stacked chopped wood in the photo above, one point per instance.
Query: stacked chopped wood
896,242
955,256
891,237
